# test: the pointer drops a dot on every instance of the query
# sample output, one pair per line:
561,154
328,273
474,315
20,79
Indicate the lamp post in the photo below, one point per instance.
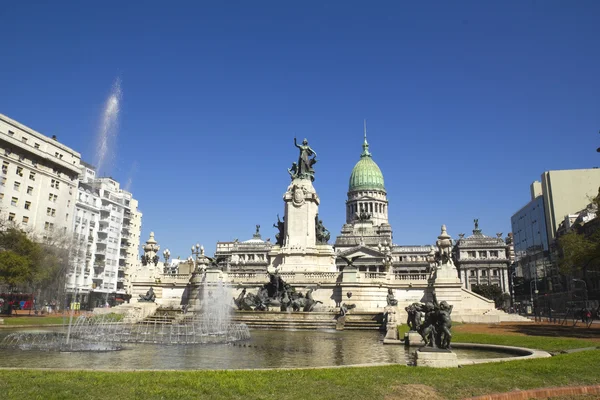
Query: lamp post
166,255
585,291
196,252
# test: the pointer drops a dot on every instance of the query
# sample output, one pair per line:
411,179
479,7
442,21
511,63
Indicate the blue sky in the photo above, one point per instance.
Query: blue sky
467,103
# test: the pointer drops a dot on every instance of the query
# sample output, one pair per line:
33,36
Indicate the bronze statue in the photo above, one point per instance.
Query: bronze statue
281,226
435,331
293,171
350,261
305,164
155,260
322,235
149,297
476,222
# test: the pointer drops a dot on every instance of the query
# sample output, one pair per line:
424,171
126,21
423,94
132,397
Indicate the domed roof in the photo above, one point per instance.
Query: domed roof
366,174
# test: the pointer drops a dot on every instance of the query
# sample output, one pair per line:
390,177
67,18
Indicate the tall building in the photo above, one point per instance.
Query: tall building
38,182
566,192
85,236
132,242
558,194
106,233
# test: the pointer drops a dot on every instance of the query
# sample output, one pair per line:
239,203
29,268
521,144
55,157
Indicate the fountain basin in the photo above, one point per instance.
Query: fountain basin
265,349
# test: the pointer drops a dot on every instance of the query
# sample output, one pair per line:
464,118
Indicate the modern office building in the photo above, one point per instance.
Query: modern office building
38,181
556,196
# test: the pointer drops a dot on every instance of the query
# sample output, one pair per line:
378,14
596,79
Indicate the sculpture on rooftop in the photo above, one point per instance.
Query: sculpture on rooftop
322,234
304,167
280,225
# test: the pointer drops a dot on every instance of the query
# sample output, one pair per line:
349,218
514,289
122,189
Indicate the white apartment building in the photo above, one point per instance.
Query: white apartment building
38,180
116,238
85,235
132,243
106,230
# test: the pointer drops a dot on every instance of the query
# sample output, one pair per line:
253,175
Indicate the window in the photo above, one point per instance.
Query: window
27,205
3,182
494,253
17,186
495,272
54,184
11,133
29,189
53,212
20,171
56,154
24,139
1,196
5,165
37,145
52,197
14,201
472,272
46,225
11,216
471,254
484,273
25,220
482,254
32,176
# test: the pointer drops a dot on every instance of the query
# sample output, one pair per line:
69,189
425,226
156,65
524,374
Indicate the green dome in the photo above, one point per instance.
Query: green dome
366,174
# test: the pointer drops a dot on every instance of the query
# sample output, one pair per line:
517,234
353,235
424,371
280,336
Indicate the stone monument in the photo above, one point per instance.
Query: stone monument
302,238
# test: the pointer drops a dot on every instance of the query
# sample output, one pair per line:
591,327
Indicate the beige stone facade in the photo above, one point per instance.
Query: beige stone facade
38,180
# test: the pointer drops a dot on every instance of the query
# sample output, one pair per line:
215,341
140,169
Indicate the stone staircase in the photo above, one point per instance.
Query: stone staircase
305,320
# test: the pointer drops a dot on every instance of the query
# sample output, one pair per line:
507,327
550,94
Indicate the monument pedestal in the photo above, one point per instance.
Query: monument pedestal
436,358
413,338
300,251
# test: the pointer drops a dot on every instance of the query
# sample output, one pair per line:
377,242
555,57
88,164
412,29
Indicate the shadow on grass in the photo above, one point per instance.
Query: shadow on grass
551,330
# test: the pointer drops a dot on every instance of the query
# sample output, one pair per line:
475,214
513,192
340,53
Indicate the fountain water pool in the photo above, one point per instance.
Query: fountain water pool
265,349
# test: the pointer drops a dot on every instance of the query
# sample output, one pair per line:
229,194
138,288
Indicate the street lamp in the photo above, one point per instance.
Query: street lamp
531,290
585,291
196,252
166,255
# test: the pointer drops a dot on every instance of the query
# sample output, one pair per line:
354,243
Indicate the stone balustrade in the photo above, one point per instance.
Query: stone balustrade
175,278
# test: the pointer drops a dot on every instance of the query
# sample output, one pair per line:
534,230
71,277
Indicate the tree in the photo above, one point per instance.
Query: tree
491,292
20,258
14,269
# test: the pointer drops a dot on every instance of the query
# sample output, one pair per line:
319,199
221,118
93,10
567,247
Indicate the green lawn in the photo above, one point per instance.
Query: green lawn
547,343
27,320
334,383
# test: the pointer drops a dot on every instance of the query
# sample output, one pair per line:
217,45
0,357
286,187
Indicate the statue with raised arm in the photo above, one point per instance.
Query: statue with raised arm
476,222
305,163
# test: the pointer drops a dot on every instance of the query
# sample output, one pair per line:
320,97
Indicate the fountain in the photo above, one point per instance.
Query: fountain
109,125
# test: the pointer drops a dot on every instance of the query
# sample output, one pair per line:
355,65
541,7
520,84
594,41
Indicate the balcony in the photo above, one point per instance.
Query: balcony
90,238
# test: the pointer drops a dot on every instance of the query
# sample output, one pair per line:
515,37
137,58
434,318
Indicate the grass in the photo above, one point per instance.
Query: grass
333,383
33,320
389,382
550,344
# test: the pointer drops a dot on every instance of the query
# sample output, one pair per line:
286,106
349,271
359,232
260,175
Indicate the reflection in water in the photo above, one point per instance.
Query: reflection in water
265,349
